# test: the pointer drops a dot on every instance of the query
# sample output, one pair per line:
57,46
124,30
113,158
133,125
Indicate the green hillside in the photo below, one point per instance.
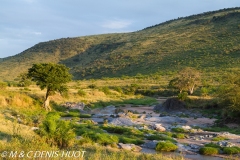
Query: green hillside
209,42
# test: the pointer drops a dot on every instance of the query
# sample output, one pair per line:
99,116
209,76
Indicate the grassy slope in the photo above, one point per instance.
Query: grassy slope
208,42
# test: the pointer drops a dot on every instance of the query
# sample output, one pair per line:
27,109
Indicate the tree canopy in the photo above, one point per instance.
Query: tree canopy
186,80
52,77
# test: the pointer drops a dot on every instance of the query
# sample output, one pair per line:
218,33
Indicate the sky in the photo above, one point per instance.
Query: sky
24,23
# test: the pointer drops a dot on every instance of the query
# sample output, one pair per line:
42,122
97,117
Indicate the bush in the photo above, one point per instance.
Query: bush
81,93
219,138
92,86
179,135
208,151
166,146
57,132
231,150
183,96
3,85
105,90
118,89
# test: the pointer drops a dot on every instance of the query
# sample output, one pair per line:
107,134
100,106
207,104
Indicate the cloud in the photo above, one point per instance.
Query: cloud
116,24
37,33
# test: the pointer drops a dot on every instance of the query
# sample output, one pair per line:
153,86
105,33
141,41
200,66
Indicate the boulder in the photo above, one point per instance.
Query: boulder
122,122
74,105
130,147
150,144
159,127
170,105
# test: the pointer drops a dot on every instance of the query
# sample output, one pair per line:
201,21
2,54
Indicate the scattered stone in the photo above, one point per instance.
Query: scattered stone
225,144
130,147
34,128
150,144
122,122
159,127
74,105
79,137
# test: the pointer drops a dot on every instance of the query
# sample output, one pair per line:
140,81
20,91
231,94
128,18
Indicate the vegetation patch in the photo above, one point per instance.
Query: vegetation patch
166,146
208,151
231,150
161,137
219,138
179,135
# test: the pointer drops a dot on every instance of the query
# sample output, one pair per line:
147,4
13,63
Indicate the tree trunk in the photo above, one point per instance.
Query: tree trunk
191,90
46,102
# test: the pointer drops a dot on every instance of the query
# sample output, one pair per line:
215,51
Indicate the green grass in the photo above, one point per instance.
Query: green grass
161,137
219,138
166,146
231,150
208,151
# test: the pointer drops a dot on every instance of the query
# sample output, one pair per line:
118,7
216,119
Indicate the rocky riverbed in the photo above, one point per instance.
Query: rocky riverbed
146,117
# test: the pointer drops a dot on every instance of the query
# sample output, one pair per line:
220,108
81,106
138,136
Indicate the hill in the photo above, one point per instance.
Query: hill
208,42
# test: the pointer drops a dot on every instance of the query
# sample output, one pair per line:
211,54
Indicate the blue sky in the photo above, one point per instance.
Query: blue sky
24,23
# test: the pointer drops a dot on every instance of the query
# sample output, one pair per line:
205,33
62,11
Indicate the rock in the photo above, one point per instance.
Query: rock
194,146
225,144
74,105
34,128
159,127
184,127
150,144
121,114
130,147
157,107
171,105
79,137
122,122
166,120
142,116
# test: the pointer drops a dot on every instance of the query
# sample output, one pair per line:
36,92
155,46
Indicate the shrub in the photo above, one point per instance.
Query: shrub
179,135
81,93
231,150
183,96
105,90
118,89
92,86
3,85
208,151
57,132
219,138
166,146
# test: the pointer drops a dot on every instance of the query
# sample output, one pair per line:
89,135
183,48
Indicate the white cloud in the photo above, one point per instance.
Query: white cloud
116,24
37,33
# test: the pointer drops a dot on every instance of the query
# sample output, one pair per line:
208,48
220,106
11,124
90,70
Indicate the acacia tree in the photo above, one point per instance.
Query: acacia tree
186,80
51,76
